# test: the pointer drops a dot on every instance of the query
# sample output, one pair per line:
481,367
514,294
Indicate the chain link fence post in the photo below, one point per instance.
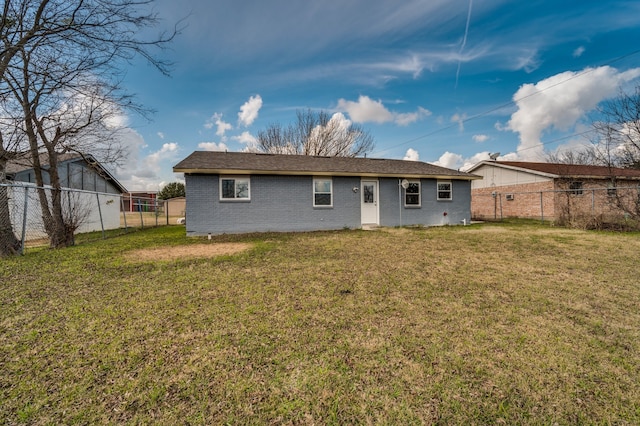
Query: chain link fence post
24,220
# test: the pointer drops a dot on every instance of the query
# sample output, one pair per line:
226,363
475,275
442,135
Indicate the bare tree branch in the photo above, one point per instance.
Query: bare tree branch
317,133
60,74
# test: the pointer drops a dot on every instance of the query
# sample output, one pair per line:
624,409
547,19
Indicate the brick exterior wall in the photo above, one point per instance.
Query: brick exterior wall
553,200
524,201
596,200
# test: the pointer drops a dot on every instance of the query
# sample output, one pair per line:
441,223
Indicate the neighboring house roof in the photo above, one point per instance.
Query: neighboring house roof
559,170
24,163
213,162
149,194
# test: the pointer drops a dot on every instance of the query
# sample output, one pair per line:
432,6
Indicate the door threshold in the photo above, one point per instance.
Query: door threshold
370,226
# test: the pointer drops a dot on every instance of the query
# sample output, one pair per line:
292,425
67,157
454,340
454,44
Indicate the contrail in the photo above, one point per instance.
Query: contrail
464,40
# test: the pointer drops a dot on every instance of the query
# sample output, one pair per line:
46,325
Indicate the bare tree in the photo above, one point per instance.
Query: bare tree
617,131
584,155
617,144
60,68
10,137
317,133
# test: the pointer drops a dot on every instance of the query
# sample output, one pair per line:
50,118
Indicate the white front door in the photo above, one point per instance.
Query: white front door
369,202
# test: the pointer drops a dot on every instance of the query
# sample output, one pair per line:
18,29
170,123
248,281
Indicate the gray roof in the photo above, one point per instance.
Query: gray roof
212,162
24,162
565,170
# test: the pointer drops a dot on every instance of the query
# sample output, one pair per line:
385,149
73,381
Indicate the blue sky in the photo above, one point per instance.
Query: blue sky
442,81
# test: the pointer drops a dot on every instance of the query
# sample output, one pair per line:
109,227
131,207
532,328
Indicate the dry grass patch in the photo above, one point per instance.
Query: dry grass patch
488,324
187,252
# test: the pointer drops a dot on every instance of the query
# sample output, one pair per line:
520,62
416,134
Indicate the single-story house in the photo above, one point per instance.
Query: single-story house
234,192
86,183
550,191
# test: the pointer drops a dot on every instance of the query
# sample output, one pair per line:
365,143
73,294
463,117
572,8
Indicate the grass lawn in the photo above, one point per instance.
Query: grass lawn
484,324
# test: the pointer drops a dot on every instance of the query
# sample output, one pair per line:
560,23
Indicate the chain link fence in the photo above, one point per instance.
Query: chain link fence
594,207
93,215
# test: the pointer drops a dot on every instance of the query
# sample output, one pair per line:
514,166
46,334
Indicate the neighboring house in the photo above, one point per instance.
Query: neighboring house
176,206
141,201
232,192
98,191
550,191
75,172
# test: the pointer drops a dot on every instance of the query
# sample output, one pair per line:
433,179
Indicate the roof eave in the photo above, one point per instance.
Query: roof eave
321,173
509,167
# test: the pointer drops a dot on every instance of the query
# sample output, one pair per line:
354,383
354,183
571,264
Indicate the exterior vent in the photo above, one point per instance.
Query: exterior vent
509,197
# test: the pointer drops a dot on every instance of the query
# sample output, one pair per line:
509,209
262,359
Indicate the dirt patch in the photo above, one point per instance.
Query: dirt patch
188,252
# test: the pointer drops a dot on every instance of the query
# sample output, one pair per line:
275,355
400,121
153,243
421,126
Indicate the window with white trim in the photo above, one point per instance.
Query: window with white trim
235,188
322,192
412,194
575,188
444,190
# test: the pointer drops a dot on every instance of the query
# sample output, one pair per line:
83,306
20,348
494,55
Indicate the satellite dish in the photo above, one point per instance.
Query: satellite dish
494,156
405,183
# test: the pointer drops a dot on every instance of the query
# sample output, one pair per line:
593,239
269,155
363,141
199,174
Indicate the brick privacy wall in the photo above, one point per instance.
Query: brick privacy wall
526,202
558,202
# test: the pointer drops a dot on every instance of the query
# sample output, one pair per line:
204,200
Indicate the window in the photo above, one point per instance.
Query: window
412,194
368,193
232,188
611,188
575,188
322,193
444,191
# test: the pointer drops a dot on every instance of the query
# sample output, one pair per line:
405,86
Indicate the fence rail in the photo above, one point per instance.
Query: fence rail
94,215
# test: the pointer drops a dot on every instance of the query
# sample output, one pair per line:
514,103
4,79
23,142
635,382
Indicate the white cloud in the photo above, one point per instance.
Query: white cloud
166,152
365,110
144,173
459,118
411,155
338,123
133,143
249,110
474,159
247,139
409,63
527,59
368,110
212,146
578,52
456,161
160,135
221,126
480,138
405,119
449,160
500,127
558,102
